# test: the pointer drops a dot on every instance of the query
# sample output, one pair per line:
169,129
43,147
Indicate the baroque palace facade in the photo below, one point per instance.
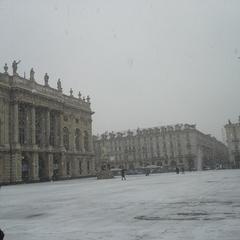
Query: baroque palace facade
44,133
167,147
233,142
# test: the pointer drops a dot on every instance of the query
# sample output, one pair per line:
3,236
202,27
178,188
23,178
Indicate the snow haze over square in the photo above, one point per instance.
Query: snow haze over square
200,205
144,63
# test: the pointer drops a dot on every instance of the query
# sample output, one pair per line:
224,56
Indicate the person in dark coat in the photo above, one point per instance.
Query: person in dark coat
177,170
123,174
1,235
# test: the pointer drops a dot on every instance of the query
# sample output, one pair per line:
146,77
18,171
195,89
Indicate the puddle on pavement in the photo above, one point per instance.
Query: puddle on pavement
35,215
188,217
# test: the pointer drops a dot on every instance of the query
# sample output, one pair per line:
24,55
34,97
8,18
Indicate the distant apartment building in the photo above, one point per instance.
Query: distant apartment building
233,142
168,147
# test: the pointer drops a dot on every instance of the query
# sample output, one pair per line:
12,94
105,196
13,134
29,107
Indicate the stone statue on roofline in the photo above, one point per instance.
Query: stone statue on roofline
59,85
6,68
46,78
71,92
14,66
79,95
88,99
32,74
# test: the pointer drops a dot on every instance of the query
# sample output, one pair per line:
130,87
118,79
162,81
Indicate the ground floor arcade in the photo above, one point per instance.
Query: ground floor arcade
33,166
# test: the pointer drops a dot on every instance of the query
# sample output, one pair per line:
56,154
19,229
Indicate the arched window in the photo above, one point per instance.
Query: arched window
77,139
66,138
86,141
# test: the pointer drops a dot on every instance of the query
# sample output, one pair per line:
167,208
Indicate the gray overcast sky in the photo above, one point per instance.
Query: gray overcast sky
143,62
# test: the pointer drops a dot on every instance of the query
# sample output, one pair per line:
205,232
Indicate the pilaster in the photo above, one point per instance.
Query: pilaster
15,124
75,167
34,167
47,127
16,167
33,125
61,129
49,166
62,166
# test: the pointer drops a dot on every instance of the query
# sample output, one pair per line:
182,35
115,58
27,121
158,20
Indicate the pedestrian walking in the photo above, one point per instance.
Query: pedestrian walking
147,172
177,170
1,234
123,174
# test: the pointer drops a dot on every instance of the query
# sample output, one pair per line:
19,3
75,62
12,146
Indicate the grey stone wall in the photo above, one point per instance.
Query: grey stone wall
32,119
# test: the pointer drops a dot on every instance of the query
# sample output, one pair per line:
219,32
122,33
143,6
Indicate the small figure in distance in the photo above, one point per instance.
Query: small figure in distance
1,235
177,170
123,174
147,172
183,170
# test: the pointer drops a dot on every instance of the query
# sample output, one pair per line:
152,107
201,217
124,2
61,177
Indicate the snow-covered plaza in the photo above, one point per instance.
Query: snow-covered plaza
194,205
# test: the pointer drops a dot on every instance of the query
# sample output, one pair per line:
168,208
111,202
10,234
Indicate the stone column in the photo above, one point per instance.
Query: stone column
49,166
55,131
82,141
33,125
90,142
43,129
34,167
47,127
15,124
61,129
62,166
93,165
75,167
6,123
16,158
16,167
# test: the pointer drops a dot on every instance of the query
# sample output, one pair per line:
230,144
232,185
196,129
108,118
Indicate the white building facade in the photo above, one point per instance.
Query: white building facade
168,147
